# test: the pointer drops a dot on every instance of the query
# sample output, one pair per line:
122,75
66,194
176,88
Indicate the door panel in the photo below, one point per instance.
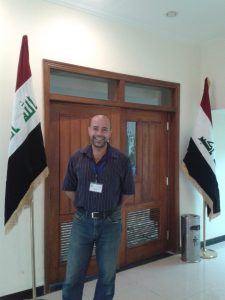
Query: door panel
68,142
69,132
145,220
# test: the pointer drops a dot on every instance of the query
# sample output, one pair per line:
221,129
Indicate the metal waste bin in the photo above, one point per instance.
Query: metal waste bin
190,238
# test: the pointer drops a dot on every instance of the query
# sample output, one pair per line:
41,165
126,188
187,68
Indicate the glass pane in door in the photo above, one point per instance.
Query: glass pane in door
81,85
131,145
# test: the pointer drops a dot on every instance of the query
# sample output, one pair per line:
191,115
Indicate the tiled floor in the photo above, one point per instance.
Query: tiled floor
168,279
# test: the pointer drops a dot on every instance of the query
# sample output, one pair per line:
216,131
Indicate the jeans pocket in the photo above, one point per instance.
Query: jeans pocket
78,216
115,217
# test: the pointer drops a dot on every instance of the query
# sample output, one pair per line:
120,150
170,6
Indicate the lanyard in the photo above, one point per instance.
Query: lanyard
97,169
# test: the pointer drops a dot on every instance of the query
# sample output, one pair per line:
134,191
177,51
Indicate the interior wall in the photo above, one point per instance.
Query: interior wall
66,35
212,66
218,118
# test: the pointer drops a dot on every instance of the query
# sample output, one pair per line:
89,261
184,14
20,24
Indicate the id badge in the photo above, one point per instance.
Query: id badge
96,187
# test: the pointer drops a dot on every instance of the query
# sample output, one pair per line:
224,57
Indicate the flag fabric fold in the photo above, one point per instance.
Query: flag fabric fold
199,161
27,166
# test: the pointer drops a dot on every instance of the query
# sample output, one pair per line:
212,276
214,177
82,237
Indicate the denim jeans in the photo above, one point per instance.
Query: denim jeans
106,234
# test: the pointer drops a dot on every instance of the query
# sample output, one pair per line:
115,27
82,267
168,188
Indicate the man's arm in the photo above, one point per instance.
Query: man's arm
70,194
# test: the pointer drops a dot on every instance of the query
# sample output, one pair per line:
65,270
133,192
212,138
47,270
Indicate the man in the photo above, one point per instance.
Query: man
98,179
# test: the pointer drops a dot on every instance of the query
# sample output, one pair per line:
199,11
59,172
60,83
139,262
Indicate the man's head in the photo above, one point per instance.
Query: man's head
99,131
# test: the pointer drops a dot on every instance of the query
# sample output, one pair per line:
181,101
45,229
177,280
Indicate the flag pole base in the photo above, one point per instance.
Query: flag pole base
208,253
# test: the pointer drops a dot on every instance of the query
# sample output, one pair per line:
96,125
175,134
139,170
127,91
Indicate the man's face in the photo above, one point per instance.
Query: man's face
99,131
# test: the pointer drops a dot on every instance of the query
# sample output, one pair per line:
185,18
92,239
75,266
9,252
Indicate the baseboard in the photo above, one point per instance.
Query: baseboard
213,241
40,290
24,294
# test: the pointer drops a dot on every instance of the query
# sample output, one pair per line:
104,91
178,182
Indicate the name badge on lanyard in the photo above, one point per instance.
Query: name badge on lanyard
96,187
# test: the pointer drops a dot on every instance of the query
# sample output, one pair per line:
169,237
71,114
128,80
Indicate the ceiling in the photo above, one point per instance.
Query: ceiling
197,20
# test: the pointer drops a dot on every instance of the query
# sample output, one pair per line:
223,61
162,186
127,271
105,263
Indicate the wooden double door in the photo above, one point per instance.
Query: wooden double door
143,135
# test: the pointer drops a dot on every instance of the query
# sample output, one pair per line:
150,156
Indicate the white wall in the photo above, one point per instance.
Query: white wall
213,67
70,36
218,117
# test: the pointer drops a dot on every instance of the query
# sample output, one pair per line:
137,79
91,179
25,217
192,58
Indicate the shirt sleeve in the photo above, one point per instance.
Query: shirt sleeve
70,180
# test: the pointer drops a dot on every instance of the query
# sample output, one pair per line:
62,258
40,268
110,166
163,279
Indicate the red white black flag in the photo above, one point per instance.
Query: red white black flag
199,162
27,166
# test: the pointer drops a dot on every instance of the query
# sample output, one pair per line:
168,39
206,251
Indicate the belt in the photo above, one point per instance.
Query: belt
96,214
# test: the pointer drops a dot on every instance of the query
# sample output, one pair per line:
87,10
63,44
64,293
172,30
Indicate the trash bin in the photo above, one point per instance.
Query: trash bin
190,238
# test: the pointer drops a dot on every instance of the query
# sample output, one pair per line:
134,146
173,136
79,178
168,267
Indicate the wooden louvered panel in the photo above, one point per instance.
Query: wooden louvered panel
142,226
65,229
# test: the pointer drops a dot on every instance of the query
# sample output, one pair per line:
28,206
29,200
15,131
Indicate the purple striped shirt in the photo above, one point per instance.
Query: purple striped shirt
113,171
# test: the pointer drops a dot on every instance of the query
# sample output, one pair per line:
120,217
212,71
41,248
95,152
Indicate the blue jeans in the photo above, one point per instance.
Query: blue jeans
106,234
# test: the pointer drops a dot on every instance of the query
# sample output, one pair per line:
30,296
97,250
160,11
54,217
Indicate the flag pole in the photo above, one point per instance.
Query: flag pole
206,253
34,293
32,250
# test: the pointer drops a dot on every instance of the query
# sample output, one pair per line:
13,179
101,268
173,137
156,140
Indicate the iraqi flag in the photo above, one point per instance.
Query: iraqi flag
27,166
199,162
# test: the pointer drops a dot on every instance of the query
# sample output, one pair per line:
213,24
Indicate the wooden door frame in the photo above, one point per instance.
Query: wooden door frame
173,121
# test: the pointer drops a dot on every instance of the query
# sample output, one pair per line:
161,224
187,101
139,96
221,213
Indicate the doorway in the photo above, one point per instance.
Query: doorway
147,136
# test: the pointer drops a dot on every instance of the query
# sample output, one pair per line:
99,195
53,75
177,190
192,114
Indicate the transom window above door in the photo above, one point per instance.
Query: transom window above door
103,86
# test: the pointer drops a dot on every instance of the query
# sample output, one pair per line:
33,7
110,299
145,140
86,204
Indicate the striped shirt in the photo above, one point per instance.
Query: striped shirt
113,171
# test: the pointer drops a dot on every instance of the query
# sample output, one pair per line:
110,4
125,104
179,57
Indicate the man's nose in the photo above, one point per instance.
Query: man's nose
100,132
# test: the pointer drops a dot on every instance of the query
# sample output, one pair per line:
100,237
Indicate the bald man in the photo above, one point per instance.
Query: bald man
98,178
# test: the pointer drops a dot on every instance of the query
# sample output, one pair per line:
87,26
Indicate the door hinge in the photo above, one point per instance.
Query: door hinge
167,126
167,181
167,235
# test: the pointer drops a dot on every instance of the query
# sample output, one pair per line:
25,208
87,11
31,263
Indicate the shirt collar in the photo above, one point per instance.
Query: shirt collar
110,152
